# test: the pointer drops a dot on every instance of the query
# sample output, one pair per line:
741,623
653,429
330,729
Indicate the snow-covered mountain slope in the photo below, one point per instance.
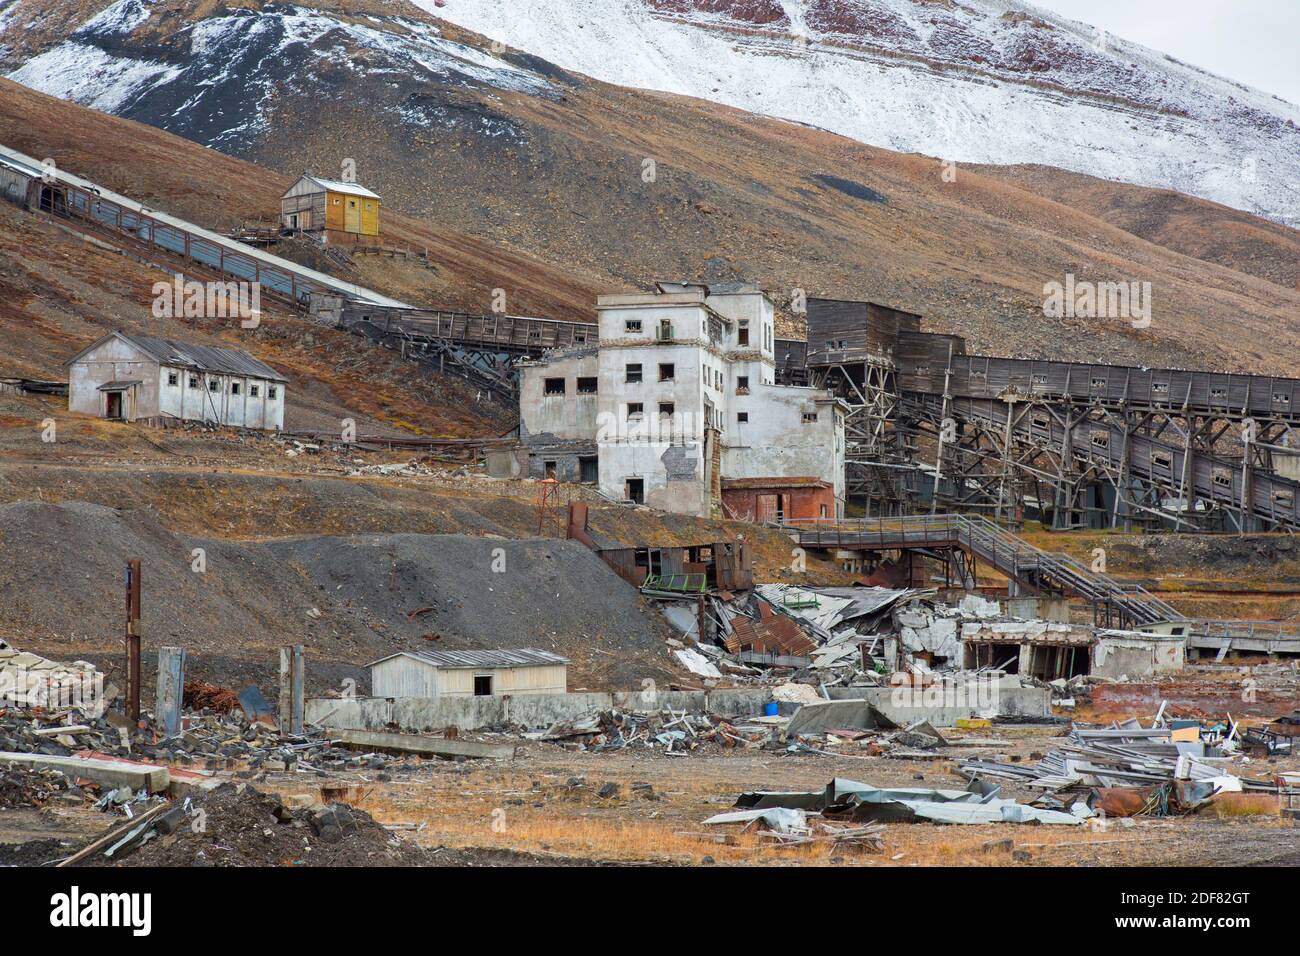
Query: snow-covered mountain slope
981,81
214,78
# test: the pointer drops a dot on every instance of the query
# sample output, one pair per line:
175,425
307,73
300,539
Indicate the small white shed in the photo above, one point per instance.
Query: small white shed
468,673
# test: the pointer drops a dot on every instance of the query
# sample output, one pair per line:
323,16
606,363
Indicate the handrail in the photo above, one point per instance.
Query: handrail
1008,552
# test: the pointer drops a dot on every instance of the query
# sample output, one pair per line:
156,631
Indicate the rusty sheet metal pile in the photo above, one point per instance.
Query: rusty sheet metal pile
1163,774
862,803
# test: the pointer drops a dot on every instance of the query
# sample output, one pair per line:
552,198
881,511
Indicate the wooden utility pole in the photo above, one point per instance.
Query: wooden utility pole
133,639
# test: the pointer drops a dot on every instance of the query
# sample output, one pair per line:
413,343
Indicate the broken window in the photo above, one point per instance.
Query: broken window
1218,394
742,332
1281,398
549,469
194,381
666,409
579,337
587,386
742,384
634,490
632,325
234,388
634,373
1041,421
1098,384
588,469
1162,460
254,390
1038,379
173,378
213,385
666,371
1284,498
553,386
809,418
665,331
742,418
1101,439
482,685
1160,389
1222,478
635,410
923,370
271,391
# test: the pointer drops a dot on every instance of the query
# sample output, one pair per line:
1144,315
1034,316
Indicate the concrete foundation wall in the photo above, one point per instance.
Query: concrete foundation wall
536,711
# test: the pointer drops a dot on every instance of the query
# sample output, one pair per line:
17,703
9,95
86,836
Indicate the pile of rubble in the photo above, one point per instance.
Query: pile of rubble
1153,769
237,825
29,680
22,787
664,732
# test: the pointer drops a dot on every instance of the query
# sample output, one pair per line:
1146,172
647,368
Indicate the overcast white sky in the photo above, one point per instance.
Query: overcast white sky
1256,42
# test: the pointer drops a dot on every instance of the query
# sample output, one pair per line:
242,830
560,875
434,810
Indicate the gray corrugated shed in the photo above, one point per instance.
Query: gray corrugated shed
205,358
201,358
524,657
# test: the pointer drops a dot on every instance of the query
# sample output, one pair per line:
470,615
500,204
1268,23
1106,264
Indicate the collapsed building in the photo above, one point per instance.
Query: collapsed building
677,401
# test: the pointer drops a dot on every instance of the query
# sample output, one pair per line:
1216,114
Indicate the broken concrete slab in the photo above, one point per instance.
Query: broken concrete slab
105,772
432,746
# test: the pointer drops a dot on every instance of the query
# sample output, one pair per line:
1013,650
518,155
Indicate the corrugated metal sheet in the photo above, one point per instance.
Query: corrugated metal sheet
204,358
524,657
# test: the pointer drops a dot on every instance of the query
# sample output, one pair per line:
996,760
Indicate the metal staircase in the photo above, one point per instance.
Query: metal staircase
1031,568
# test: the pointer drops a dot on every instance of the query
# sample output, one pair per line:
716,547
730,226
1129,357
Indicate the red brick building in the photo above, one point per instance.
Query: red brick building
769,499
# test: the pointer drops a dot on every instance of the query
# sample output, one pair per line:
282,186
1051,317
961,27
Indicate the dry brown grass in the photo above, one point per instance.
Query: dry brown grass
1231,805
502,812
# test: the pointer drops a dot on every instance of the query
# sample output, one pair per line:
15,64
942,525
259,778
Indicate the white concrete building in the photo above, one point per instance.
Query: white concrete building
679,394
468,673
138,377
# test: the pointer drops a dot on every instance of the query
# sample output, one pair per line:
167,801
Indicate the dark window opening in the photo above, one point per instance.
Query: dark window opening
270,391
809,418
634,373
634,490
742,333
667,408
548,469
253,390
742,384
553,386
173,378
482,685
635,409
586,386
234,388
589,469
666,371
632,325
742,417
213,385
194,381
